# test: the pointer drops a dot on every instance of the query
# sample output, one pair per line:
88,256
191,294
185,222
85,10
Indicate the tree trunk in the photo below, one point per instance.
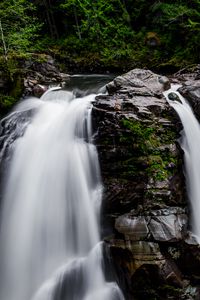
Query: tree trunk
50,19
3,42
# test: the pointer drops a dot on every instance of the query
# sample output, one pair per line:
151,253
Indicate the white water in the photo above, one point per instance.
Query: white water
49,243
190,143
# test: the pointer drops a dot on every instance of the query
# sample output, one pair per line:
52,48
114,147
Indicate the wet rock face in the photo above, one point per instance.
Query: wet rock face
167,225
189,81
136,139
28,77
40,75
138,81
145,214
191,91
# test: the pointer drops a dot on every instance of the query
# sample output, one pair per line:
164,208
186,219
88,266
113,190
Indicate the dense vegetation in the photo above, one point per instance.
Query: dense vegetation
114,33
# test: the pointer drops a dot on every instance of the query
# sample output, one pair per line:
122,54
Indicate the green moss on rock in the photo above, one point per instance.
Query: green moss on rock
149,143
6,103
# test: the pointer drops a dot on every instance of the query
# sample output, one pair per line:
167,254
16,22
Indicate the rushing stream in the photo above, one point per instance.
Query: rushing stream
50,246
190,143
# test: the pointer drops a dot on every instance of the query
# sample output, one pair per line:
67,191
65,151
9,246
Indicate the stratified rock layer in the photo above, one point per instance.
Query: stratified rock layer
167,225
145,212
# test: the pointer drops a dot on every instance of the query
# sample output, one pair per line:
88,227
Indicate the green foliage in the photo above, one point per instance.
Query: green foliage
178,24
100,27
19,25
114,33
6,103
99,19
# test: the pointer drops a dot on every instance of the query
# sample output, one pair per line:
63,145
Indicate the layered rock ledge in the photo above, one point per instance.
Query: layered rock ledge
146,217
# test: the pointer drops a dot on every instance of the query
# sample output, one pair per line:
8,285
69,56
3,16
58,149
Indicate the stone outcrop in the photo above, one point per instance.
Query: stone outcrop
28,77
191,91
189,78
145,210
138,149
40,75
164,225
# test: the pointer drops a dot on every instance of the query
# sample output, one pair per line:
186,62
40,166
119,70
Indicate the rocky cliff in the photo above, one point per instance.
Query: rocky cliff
20,78
146,215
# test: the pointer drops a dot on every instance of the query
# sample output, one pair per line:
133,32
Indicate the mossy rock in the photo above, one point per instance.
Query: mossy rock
6,103
148,141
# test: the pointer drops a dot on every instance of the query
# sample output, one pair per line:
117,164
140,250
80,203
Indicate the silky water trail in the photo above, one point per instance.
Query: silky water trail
190,143
50,245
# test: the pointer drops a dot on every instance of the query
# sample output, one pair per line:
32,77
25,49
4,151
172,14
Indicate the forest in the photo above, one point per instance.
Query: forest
112,34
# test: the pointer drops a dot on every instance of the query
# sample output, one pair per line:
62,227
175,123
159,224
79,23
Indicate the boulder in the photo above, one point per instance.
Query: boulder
139,81
39,90
39,76
145,210
137,134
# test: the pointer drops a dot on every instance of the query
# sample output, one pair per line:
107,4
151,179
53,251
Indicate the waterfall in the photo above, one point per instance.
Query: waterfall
190,143
50,246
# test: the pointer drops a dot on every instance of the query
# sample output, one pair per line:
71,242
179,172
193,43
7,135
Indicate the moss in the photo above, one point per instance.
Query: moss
147,143
170,290
138,136
13,88
6,103
167,135
10,68
17,86
157,168
3,64
138,129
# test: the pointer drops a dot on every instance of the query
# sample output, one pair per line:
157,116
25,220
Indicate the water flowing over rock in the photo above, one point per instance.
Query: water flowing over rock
146,219
49,240
189,79
191,91
40,75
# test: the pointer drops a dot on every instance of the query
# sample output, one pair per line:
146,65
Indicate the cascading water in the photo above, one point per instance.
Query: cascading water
190,143
49,241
